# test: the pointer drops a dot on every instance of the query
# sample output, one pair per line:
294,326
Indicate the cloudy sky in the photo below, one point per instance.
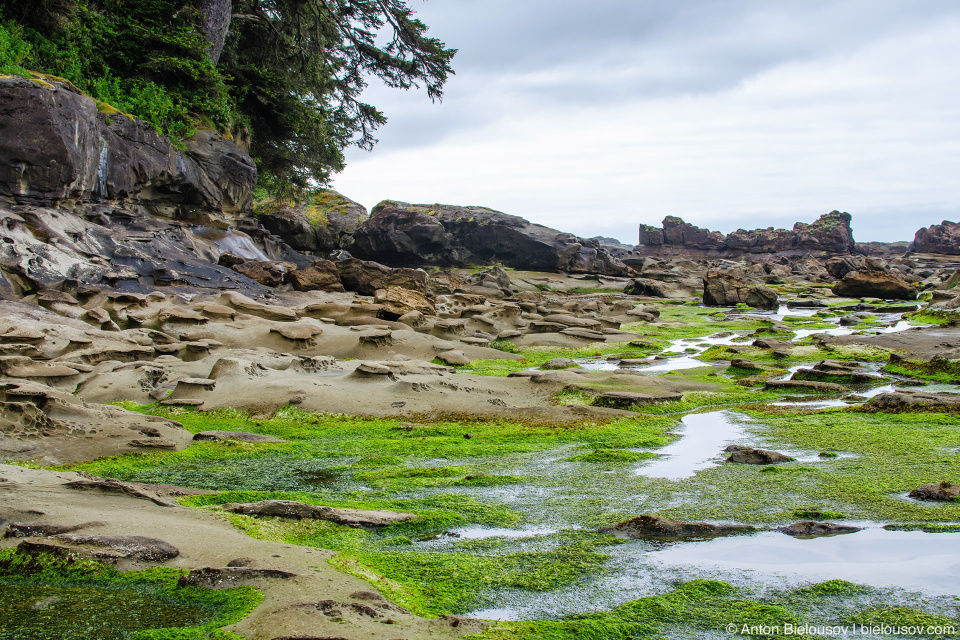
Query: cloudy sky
593,117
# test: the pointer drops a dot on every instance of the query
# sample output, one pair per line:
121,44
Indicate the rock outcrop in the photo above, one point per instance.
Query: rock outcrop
829,234
91,196
317,226
401,234
56,145
937,238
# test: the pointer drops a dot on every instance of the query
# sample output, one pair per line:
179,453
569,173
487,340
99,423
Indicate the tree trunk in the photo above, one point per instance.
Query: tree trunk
216,21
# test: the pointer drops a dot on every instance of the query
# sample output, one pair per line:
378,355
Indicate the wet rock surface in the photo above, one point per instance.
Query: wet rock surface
758,456
937,491
656,527
810,529
299,510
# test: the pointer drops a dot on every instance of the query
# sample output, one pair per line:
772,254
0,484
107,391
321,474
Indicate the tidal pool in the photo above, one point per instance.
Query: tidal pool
702,439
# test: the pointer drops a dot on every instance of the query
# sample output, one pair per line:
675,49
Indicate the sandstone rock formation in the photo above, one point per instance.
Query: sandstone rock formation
830,233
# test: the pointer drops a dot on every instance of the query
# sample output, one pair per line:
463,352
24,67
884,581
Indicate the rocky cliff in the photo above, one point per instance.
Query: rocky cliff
937,238
402,234
90,196
830,234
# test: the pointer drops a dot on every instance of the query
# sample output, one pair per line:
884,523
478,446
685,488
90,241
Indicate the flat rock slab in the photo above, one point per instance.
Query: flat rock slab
297,331
897,401
939,491
242,436
153,443
806,385
103,547
115,486
811,529
41,529
627,399
758,456
213,578
358,518
657,527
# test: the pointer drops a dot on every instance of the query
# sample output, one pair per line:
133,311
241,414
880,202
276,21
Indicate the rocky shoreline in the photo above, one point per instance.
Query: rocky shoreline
150,307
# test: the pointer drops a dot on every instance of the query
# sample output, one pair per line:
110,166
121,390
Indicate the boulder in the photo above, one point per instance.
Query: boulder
650,288
725,289
758,456
657,527
322,275
365,277
939,491
404,234
266,272
875,284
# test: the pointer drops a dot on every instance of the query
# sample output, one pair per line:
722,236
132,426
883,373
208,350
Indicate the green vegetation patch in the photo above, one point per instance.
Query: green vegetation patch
612,455
937,369
47,596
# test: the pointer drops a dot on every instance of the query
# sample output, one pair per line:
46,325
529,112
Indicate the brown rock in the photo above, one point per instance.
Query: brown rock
875,284
758,456
398,301
939,491
322,275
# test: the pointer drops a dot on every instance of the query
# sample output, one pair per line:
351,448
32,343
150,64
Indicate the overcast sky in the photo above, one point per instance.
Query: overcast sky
593,117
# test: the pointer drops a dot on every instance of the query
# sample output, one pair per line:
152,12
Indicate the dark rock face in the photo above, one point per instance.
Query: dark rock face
402,234
937,238
831,233
724,289
318,226
57,146
875,284
657,527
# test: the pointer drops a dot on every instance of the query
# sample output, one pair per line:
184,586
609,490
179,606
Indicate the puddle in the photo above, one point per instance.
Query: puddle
910,560
702,439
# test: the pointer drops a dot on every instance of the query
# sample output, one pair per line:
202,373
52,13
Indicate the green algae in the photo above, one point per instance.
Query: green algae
47,596
936,369
612,455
